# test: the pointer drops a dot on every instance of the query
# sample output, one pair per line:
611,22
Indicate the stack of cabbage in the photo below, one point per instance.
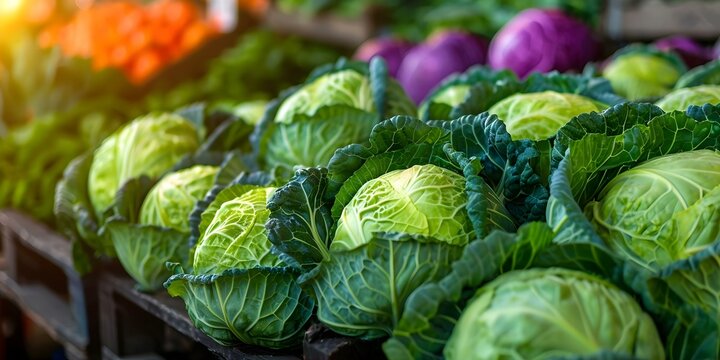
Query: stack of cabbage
542,218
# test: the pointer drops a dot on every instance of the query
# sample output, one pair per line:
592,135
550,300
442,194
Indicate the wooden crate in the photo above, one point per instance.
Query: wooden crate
325,28
652,19
322,344
155,325
37,277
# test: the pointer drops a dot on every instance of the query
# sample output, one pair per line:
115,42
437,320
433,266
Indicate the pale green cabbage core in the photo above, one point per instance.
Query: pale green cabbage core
251,111
236,237
148,146
662,210
539,116
452,95
681,99
551,313
422,200
641,76
347,87
170,201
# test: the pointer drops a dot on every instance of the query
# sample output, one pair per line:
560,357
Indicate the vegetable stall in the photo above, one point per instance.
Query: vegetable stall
350,180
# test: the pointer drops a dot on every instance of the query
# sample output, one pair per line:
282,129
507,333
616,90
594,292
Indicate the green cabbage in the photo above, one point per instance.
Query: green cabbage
170,201
384,219
149,146
681,99
421,200
551,313
238,290
235,237
641,75
539,116
652,213
453,95
347,87
649,182
337,106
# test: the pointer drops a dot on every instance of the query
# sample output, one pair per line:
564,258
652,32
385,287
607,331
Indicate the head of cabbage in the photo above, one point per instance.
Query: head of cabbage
549,313
681,99
539,116
639,73
239,291
170,201
422,200
337,106
663,210
233,232
149,146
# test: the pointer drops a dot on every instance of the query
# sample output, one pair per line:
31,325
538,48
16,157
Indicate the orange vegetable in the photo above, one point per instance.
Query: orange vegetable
138,39
145,65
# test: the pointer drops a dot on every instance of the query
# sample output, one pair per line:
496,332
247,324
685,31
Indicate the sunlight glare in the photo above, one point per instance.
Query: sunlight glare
10,7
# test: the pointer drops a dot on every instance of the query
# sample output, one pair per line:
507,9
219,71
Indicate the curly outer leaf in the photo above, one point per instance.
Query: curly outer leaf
612,122
258,306
379,82
300,223
697,279
386,137
362,292
705,112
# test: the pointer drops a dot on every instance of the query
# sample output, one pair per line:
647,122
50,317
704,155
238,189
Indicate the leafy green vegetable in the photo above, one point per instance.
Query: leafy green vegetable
539,116
345,87
149,145
442,103
519,169
432,310
381,220
243,219
33,156
113,180
171,200
410,200
147,236
656,168
661,211
642,72
338,105
535,314
681,99
239,291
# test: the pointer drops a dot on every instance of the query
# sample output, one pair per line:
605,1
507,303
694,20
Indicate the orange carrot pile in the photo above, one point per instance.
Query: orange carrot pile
138,39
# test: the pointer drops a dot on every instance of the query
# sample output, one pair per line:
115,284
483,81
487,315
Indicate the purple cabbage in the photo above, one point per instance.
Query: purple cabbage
440,56
692,53
392,50
542,40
